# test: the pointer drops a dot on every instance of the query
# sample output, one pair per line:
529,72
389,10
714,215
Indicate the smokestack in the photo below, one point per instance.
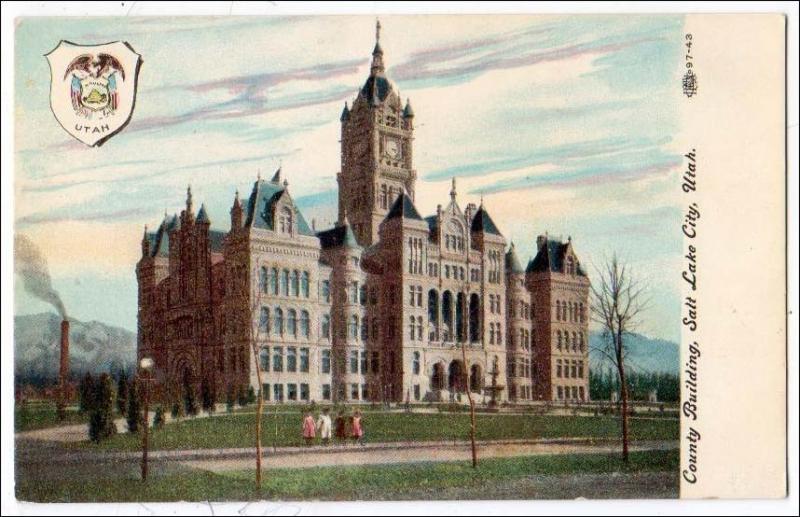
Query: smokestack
63,372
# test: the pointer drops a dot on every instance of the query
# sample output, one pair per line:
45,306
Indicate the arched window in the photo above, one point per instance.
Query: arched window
262,279
460,303
474,318
325,326
285,282
419,328
574,342
278,321
580,342
415,364
499,333
412,328
285,220
304,284
263,322
273,281
292,322
433,315
491,333
304,324
364,329
354,327
295,283
558,340
362,295
263,359
447,315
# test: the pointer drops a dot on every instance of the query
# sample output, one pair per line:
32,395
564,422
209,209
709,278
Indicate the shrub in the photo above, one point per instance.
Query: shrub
158,419
86,393
101,419
208,396
133,415
122,393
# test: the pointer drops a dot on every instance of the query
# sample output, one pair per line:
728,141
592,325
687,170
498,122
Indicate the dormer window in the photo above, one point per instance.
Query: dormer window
285,220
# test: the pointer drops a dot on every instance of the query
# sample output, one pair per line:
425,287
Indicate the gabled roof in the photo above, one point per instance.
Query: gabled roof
338,236
202,216
403,207
482,222
433,223
159,240
258,211
551,258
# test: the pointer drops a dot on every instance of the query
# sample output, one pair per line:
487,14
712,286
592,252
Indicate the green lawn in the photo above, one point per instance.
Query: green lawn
237,430
39,415
342,483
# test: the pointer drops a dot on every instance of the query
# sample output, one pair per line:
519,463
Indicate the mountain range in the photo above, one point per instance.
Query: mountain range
97,347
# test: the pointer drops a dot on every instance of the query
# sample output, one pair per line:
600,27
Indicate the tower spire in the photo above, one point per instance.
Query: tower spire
453,190
377,52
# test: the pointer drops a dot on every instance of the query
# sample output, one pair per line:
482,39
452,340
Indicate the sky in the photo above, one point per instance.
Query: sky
561,124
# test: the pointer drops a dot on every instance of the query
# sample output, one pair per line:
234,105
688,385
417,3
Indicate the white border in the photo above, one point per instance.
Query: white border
10,11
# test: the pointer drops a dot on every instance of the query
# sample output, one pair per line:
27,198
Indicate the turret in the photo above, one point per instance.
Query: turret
236,213
145,243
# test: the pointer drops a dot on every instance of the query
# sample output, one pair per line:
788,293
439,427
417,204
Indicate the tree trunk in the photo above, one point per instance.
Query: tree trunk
471,410
624,395
259,409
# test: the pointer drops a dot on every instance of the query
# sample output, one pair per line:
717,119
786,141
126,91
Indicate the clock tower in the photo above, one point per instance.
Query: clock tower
376,138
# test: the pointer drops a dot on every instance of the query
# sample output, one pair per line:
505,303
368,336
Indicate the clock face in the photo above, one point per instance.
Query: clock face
393,149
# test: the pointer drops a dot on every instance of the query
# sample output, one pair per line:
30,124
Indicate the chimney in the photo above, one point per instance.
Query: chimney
64,367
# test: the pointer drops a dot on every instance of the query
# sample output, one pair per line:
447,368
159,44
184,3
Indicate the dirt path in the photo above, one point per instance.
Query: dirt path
415,454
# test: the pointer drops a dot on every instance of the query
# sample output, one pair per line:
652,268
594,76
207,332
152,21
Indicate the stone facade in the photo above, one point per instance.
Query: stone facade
381,307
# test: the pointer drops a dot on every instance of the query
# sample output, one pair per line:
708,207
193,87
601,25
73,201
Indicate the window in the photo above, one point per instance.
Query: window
362,295
354,391
353,361
325,327
304,324
364,392
364,329
291,391
560,391
415,363
273,281
285,220
353,327
277,359
580,369
558,340
285,282
558,368
375,362
277,391
363,363
412,328
292,322
354,292
573,370
265,391
295,283
326,291
326,392
326,361
304,392
263,323
416,392
263,359
262,279
304,360
291,359
419,328
304,282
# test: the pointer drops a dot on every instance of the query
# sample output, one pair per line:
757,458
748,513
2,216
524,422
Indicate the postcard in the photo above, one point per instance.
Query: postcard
398,258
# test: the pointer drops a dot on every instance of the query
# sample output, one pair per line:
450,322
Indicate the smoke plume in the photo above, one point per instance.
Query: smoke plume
31,266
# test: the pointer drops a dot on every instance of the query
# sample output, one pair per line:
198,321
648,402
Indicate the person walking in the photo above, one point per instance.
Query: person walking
358,428
324,426
309,429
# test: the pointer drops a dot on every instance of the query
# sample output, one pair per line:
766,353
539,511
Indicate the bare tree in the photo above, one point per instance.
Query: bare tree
617,304
255,337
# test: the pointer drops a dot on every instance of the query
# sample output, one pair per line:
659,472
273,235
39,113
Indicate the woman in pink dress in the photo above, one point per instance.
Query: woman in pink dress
357,428
309,428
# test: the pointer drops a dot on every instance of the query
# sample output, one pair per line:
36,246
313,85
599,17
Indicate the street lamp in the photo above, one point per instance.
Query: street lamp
145,367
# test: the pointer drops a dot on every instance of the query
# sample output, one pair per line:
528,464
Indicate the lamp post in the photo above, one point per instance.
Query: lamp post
145,367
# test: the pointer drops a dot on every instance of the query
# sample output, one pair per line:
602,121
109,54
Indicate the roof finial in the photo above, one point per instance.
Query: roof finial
377,30
453,190
258,177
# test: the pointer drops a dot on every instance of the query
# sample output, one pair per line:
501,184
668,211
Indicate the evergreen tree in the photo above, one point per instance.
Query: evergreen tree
177,410
241,396
229,399
158,419
122,393
251,395
133,415
208,396
101,420
86,393
189,396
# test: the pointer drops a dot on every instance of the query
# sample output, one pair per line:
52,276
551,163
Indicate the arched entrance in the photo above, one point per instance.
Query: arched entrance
476,378
437,379
456,381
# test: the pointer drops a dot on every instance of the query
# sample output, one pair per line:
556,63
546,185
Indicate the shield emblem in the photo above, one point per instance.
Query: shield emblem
93,88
